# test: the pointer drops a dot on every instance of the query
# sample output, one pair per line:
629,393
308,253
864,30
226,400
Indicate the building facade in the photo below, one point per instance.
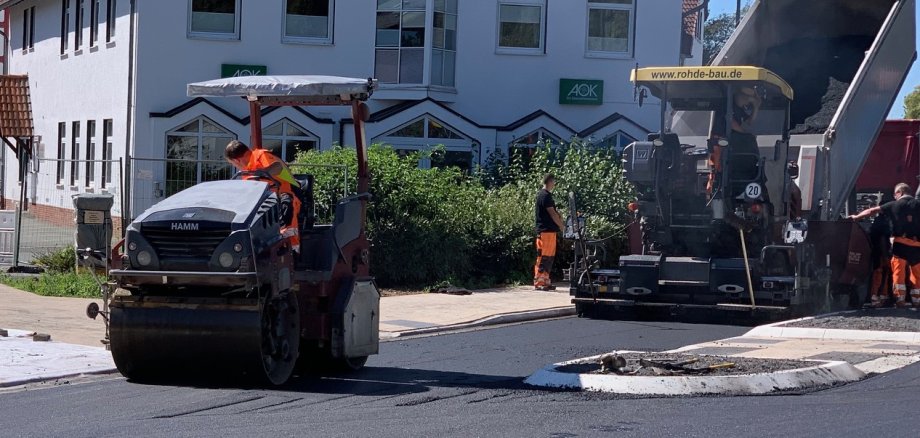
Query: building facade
108,78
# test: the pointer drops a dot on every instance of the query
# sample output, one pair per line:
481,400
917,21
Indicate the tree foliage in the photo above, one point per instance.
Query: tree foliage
912,104
716,32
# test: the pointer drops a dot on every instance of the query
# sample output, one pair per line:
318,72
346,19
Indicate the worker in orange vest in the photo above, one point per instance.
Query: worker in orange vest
245,159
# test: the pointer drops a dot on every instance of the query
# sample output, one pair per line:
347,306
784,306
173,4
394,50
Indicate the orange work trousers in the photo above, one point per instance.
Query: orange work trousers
546,253
899,271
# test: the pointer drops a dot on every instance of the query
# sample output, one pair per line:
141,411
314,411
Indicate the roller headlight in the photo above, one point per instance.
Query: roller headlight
238,247
132,246
225,259
144,258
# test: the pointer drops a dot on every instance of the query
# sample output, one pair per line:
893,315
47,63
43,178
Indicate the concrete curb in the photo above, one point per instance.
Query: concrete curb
502,318
778,330
823,373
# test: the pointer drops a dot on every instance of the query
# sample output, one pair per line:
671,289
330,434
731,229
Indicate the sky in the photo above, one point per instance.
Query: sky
717,7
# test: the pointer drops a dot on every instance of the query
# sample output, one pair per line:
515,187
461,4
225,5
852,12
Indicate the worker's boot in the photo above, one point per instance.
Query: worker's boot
915,298
875,301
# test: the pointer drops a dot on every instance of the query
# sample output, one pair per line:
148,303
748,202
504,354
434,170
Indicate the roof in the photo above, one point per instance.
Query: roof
293,86
691,19
15,107
654,76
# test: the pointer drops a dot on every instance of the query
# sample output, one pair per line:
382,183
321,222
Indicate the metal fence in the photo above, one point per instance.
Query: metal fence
44,211
155,179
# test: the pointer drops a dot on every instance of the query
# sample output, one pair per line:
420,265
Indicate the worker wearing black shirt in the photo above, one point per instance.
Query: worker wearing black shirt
904,213
548,224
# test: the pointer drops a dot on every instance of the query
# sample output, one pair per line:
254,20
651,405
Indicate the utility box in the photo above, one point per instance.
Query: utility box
7,236
94,224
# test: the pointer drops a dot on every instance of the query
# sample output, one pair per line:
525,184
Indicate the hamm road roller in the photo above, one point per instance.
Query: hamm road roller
209,285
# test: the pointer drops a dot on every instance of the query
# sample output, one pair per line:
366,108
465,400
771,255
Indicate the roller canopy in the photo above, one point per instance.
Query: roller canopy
290,86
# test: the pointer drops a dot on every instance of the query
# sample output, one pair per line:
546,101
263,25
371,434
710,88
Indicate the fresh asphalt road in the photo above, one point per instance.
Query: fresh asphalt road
465,384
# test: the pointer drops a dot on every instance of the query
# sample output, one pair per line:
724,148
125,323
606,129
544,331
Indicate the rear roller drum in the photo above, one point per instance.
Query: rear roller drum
280,339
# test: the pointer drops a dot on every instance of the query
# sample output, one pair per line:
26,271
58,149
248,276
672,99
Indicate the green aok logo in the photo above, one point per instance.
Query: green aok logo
581,92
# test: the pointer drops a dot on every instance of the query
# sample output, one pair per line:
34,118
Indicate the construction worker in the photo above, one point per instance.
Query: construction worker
880,244
251,160
548,224
904,214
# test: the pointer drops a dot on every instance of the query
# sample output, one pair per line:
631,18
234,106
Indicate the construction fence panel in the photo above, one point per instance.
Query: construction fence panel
155,179
47,216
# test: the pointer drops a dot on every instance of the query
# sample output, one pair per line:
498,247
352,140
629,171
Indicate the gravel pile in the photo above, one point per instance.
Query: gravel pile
886,320
742,365
818,122
807,64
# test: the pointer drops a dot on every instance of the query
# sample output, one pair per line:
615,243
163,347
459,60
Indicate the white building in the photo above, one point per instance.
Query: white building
108,77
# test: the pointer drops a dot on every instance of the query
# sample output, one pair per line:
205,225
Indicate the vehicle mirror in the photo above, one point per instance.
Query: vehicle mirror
793,169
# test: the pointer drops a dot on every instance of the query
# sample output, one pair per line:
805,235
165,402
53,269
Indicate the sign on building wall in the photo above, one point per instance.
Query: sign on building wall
581,92
237,70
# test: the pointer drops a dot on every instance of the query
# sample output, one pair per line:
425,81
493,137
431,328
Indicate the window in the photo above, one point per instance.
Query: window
90,152
524,147
195,153
75,153
285,139
616,141
308,21
447,145
444,43
214,18
65,25
610,26
78,25
400,41
61,151
28,28
520,26
106,152
110,7
94,22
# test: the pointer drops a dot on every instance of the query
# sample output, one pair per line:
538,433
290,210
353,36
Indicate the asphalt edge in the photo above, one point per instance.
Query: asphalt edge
501,318
825,373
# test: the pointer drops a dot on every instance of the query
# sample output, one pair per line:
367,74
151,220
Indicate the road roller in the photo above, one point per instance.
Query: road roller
206,283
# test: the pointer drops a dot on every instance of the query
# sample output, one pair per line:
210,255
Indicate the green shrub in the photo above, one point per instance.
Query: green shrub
58,261
433,225
55,284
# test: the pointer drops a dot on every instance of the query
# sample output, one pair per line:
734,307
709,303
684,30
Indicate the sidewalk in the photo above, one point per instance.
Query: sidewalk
75,346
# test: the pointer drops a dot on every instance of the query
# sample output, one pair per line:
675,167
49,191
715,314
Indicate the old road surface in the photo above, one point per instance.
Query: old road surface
463,384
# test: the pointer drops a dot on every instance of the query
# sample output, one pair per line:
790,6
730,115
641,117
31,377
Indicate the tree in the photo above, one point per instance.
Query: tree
716,32
912,104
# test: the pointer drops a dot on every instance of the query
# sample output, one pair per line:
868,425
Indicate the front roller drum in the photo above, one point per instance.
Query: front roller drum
170,341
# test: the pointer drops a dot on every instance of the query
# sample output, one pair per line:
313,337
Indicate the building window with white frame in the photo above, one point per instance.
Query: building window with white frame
616,141
90,153
106,152
110,8
521,26
65,25
61,151
28,28
285,139
610,27
78,25
214,19
308,21
400,41
523,148
444,43
195,153
75,154
447,146
94,22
